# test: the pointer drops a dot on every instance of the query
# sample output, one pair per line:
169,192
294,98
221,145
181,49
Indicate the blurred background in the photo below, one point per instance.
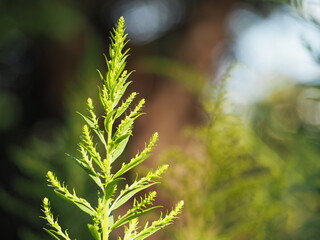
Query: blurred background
242,141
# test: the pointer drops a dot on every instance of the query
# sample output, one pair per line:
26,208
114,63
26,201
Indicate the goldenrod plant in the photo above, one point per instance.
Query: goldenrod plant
104,139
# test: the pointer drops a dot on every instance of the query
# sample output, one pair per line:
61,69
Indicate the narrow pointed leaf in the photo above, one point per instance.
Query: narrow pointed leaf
120,148
130,194
125,220
51,233
134,162
110,187
84,208
88,121
82,164
111,220
94,231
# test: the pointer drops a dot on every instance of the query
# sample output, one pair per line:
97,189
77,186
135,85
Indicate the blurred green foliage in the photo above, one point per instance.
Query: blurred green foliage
45,148
288,122
55,19
248,180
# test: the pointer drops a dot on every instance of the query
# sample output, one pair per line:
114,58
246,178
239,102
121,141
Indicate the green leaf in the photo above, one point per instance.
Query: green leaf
51,232
125,220
94,230
97,180
100,74
85,208
88,170
121,138
82,164
121,91
63,196
101,97
88,121
78,204
133,162
108,119
120,148
128,195
99,133
110,219
110,187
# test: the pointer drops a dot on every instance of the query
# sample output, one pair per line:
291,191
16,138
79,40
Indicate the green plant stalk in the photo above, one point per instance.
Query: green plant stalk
114,140
105,227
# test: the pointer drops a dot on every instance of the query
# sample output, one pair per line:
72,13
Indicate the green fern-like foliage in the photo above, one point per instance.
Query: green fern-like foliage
102,143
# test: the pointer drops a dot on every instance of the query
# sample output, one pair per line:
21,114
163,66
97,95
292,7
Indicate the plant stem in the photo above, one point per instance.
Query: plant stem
105,227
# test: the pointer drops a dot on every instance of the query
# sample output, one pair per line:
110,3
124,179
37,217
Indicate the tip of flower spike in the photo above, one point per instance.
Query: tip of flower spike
178,208
155,138
180,204
90,103
85,128
121,20
45,201
49,174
